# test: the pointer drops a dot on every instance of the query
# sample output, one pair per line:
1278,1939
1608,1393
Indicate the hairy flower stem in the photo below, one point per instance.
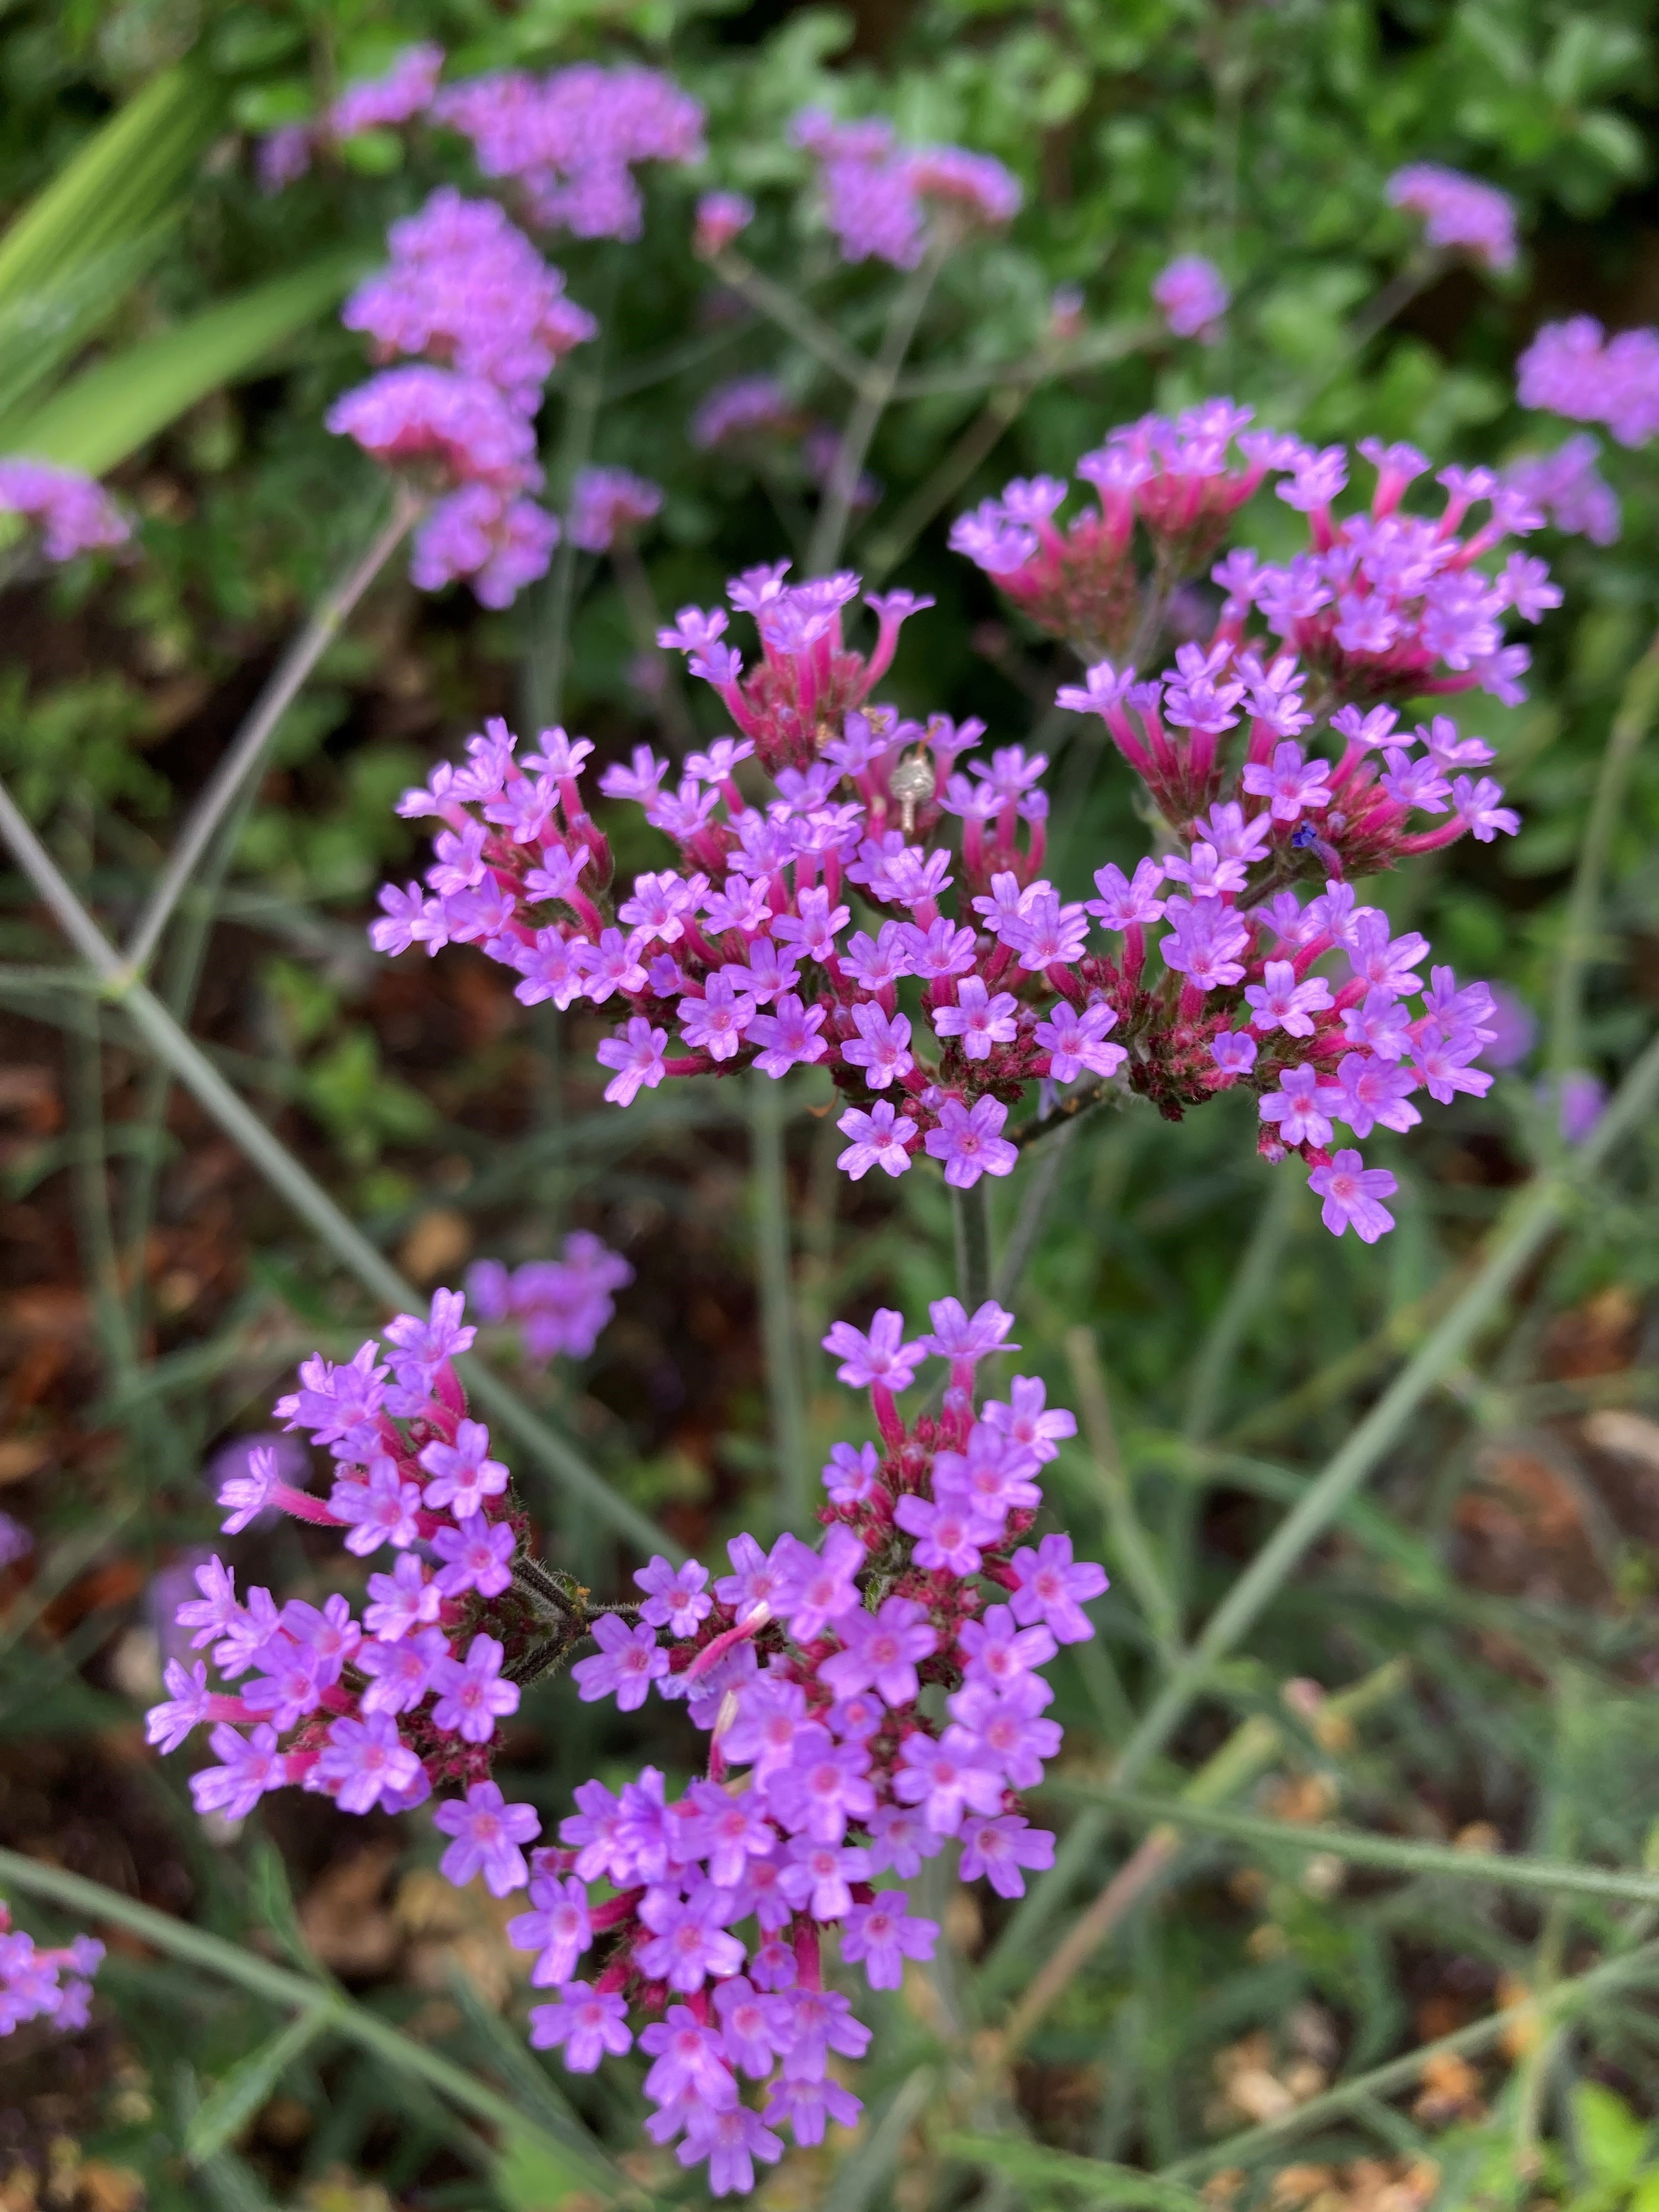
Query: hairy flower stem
324,625
830,531
972,1209
775,1284
1535,1216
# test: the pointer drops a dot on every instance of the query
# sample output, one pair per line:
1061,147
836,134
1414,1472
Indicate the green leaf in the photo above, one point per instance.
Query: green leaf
1099,2181
109,410
115,189
249,2086
1611,2139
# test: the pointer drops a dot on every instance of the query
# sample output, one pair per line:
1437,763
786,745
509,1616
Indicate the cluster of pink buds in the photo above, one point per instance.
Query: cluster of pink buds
1383,605
468,291
828,1780
33,1984
378,1713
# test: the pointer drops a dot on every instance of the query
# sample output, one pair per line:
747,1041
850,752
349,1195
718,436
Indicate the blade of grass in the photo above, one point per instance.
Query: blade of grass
1533,1218
1390,1854
249,2086
1251,1281
1097,2180
109,410
1130,1542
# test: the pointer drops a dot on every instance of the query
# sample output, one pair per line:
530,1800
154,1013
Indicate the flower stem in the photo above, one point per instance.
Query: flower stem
972,1239
774,1286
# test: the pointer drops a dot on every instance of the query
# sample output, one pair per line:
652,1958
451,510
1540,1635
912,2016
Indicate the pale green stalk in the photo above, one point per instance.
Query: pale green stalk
774,1288
971,1212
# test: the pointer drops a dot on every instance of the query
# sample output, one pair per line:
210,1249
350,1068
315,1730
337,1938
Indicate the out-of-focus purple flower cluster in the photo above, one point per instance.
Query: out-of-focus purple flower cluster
468,289
1383,605
74,515
878,197
379,1712
16,1542
560,1306
571,140
1570,368
1459,213
403,92
1568,490
827,1783
33,1984
1194,297
607,503
745,407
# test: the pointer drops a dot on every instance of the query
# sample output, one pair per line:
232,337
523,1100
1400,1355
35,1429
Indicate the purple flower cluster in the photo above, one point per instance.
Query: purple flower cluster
560,1306
32,1983
721,217
747,407
745,948
1384,604
74,513
878,196
405,90
1459,213
827,1785
16,1542
1570,370
376,1712
1194,297
571,140
606,503
1568,490
469,290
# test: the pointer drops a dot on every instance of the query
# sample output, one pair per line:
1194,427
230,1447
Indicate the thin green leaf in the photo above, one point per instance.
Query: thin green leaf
109,410
116,187
1096,2181
249,2087
530,2176
535,2093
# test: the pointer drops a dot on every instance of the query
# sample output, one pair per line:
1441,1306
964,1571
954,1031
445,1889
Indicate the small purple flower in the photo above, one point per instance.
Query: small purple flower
1054,1589
950,1532
487,1832
367,1763
877,1139
823,1592
823,1789
478,1554
997,1848
1298,1108
688,2062
883,1934
400,1673
882,1047
168,1725
627,1663
586,2021
978,1018
753,2033
1354,1196
882,1650
881,1356
969,1142
688,1945
464,1475
637,1057
945,1781
471,1697
378,1512
675,1598
406,1598
249,1766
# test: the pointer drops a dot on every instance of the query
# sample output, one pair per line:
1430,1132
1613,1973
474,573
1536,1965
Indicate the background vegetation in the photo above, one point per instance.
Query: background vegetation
1463,1418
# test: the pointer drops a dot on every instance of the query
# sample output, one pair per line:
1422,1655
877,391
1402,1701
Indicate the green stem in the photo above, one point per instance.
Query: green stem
1392,1854
326,621
976,444
972,1213
1638,704
1534,1215
1253,1279
774,1286
792,313
550,648
1130,1542
293,1992
874,395
163,1035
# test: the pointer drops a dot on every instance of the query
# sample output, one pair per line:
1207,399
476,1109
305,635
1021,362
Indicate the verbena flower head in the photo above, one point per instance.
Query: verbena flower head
572,140
72,513
559,1306
606,502
1568,489
1569,369
466,289
1459,213
1194,297
826,1785
381,1710
745,409
936,977
51,1985
876,195
16,1542
1384,604
722,217
401,93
